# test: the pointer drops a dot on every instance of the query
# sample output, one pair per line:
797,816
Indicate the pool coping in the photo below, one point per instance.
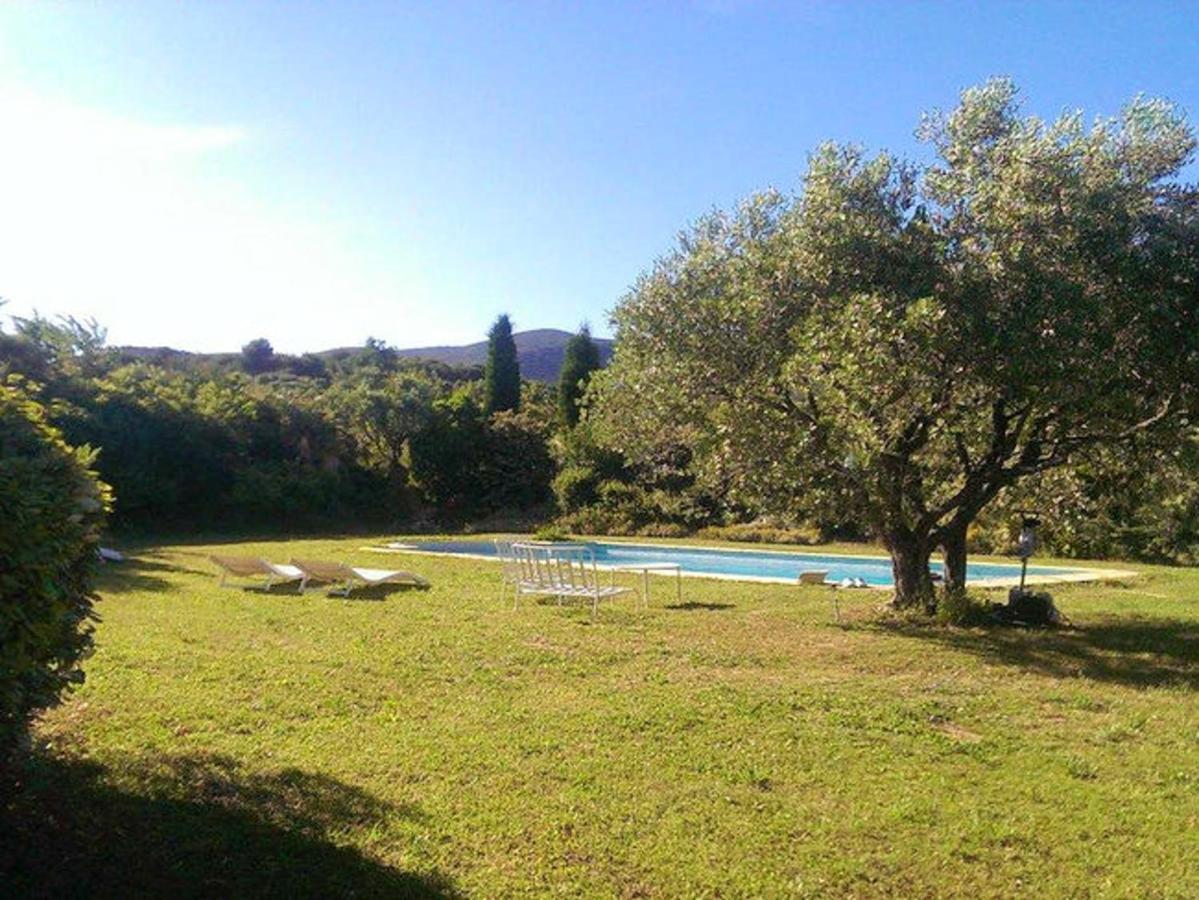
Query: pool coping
1074,576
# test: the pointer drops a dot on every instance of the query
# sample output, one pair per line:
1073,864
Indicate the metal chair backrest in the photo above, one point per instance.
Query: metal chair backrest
508,563
565,567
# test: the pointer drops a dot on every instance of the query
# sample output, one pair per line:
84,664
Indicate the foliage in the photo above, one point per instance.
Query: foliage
581,358
515,468
258,356
898,345
51,512
962,609
302,445
1139,501
501,377
550,533
444,454
766,530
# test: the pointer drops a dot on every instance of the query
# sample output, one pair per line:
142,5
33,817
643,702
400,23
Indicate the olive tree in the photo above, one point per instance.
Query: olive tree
901,342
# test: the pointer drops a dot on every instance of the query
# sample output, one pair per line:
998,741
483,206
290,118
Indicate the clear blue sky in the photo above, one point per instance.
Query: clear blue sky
199,174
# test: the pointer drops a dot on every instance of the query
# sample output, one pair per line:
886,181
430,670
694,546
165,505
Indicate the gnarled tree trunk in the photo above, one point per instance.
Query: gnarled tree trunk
953,545
909,566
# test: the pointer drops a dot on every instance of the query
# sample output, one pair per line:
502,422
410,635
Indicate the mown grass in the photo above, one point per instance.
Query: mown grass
426,743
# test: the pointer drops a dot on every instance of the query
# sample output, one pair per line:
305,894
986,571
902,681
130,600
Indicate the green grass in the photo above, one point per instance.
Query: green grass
233,743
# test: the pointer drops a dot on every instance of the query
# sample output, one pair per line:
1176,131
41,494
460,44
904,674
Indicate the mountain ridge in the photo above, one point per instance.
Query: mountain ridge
539,350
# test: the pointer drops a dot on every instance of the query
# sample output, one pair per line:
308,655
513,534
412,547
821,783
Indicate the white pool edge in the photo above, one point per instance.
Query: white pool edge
1074,576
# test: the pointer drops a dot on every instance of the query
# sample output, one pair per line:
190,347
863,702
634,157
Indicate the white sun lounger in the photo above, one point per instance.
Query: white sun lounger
254,567
345,579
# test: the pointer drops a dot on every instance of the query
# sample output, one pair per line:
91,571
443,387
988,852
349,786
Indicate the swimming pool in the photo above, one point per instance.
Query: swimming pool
754,565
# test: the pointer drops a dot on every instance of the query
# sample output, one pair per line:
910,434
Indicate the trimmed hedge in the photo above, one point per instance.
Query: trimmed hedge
51,510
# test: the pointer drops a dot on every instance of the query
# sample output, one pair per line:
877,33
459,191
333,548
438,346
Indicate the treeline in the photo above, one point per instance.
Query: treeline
367,439
266,442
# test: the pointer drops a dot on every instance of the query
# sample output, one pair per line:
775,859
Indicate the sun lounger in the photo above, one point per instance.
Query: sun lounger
254,567
345,579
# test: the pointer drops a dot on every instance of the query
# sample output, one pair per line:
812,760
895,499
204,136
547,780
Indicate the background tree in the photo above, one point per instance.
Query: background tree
501,377
382,412
257,356
906,343
580,358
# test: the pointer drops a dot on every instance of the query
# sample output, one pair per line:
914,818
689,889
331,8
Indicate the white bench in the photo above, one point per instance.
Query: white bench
565,571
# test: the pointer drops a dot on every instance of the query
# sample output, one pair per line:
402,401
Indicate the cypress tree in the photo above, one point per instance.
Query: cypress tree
580,359
501,378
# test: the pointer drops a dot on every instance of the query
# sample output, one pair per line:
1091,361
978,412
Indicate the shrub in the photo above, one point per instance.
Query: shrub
550,532
766,531
51,510
962,609
664,530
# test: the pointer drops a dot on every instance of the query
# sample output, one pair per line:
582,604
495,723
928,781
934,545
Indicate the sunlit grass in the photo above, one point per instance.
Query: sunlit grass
746,745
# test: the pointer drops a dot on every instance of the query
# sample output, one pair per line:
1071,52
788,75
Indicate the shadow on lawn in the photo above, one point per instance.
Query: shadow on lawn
1127,650
141,573
196,827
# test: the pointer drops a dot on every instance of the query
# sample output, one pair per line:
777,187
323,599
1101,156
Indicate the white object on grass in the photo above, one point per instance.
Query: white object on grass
345,578
254,567
562,571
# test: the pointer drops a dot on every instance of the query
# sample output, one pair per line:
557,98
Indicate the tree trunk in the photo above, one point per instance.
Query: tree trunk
909,565
953,544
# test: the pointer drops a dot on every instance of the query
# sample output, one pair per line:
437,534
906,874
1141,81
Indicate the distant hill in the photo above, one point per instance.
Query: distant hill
540,353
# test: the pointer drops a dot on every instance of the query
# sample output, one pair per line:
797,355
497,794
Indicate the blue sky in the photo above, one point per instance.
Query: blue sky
201,174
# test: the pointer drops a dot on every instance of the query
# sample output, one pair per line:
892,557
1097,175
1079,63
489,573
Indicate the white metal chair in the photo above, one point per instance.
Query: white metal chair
564,571
509,569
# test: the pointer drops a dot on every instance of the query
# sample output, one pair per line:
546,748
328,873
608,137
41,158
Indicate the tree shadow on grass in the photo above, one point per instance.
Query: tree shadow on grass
379,591
145,572
196,826
695,604
1129,650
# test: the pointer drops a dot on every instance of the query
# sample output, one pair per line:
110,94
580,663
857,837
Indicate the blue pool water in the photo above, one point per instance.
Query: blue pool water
748,564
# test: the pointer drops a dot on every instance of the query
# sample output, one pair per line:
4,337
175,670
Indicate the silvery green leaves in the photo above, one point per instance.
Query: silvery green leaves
901,343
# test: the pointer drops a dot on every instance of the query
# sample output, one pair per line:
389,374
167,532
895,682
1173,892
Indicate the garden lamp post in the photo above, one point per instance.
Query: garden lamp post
1026,544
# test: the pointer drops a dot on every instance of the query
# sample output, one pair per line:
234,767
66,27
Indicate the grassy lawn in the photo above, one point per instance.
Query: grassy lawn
233,743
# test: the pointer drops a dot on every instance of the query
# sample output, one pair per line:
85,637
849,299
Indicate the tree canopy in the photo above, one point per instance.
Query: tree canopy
902,342
258,356
501,377
580,358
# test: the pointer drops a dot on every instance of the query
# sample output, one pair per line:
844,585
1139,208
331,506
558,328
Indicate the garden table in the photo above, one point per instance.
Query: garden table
645,569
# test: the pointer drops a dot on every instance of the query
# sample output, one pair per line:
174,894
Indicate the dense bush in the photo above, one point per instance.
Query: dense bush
766,530
51,510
